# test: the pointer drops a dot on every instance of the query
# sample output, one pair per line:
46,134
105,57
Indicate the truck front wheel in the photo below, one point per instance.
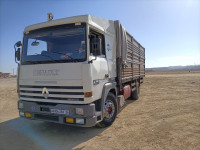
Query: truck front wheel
110,111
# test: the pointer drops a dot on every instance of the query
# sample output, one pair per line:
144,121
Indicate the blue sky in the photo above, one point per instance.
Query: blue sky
168,29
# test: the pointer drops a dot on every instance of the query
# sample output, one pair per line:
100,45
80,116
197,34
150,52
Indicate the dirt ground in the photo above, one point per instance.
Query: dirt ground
167,116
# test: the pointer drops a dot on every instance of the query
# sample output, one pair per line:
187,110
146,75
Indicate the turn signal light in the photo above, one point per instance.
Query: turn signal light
88,94
69,120
27,115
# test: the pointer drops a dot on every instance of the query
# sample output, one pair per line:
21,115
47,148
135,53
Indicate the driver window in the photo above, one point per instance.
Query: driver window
95,34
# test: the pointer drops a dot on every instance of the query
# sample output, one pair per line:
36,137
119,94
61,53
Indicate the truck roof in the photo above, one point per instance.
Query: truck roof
101,23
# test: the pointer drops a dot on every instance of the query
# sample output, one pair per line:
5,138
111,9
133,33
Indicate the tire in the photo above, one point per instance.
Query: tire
110,111
135,94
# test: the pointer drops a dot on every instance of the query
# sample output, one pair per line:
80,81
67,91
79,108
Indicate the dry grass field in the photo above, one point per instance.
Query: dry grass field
167,116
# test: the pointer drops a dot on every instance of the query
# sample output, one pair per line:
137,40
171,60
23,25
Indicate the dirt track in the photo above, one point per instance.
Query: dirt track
167,116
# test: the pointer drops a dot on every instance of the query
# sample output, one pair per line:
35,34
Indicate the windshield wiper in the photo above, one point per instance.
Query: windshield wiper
31,62
42,54
74,60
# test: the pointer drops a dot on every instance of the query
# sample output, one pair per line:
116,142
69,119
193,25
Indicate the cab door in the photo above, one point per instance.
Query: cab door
97,53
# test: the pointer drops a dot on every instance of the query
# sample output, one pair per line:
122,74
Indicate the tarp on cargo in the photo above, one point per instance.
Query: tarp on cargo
121,45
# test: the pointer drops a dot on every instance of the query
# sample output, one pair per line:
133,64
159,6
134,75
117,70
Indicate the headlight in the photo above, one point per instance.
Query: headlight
21,105
21,114
79,111
80,121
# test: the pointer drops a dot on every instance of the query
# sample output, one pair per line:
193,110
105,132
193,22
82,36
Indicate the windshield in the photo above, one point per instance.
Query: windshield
55,44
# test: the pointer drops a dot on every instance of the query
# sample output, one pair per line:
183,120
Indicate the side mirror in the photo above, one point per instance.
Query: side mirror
96,46
17,54
18,44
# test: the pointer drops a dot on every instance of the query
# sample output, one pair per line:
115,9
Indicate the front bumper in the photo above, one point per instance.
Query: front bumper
42,111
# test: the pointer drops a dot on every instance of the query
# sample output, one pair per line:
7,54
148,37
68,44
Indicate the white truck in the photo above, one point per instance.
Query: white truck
77,71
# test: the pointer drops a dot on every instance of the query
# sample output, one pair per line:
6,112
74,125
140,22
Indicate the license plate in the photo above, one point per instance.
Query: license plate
58,111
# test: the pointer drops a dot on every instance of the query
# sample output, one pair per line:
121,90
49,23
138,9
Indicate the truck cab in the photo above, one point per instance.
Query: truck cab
67,72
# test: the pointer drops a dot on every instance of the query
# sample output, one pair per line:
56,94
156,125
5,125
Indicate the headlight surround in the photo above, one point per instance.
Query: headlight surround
20,105
79,111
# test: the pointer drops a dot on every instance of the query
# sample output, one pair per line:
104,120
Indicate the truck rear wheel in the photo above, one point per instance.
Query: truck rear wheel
135,94
110,111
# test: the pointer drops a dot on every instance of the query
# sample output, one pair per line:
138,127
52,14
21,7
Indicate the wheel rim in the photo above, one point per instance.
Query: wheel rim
109,109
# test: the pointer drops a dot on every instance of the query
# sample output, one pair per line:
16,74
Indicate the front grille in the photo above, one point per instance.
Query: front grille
53,93
64,93
54,87
50,98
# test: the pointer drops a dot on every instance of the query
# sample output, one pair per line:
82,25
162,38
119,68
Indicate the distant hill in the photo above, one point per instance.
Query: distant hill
171,68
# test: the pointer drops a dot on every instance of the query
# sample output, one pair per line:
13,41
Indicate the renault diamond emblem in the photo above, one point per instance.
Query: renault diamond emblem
45,93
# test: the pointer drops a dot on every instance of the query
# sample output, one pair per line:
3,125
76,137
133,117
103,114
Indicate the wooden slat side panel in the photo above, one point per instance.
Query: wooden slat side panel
135,59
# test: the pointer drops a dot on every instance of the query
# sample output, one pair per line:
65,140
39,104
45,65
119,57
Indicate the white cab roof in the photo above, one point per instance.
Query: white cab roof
100,23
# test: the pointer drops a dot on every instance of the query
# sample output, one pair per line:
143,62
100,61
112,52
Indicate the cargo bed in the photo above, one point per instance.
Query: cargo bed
130,57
